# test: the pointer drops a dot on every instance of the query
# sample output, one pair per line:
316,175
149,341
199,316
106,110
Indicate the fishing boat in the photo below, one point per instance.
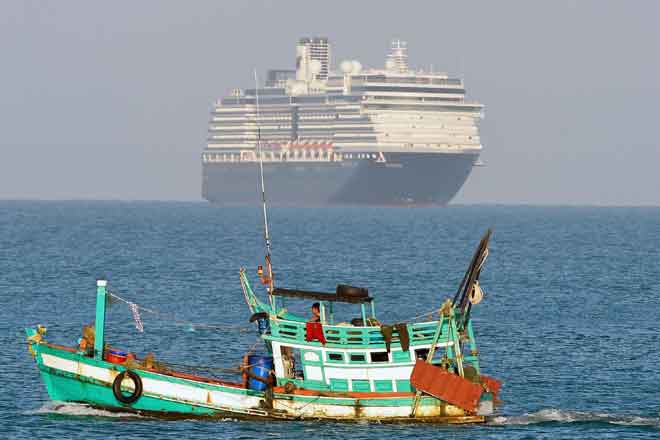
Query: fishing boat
426,369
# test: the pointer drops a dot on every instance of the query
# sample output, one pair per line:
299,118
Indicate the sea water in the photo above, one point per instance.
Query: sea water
569,321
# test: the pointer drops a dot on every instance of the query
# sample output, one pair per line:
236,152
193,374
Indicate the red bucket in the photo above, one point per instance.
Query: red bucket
116,356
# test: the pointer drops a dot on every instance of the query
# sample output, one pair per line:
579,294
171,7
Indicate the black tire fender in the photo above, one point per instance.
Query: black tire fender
352,291
137,391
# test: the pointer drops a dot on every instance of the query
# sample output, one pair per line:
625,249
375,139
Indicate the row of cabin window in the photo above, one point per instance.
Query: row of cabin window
361,385
377,356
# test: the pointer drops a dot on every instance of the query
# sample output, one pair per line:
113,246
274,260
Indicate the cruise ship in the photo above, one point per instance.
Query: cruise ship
352,135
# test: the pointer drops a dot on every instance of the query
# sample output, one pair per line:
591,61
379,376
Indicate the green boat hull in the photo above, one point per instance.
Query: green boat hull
74,377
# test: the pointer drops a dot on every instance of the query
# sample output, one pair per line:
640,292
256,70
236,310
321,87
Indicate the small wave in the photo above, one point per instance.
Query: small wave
553,415
79,410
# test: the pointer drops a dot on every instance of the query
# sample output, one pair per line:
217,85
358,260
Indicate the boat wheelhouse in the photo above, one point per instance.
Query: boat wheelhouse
350,357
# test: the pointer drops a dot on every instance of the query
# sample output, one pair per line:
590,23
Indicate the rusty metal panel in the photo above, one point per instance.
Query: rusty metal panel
492,385
446,386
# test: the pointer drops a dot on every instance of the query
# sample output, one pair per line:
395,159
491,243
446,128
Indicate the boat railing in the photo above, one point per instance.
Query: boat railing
418,333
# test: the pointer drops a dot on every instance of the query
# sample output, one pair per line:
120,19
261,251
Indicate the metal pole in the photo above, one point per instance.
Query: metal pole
271,285
458,354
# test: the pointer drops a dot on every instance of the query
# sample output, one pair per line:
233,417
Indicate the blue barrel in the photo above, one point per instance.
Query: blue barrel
263,326
260,366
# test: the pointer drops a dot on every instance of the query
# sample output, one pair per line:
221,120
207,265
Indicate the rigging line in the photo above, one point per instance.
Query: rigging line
236,369
176,320
430,312
300,415
251,350
202,367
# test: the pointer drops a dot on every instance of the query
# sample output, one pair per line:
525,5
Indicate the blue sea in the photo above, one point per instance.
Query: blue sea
569,321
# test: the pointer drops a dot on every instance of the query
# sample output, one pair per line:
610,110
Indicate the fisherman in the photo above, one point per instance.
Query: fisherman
316,313
314,328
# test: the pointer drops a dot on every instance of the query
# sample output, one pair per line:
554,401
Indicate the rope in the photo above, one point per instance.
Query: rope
477,294
175,320
300,415
422,315
251,350
202,367
237,369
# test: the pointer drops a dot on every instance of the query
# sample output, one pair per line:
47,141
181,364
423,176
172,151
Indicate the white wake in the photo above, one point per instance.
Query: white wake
562,416
80,410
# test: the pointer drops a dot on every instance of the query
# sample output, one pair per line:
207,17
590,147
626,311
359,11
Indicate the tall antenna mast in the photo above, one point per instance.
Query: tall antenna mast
268,280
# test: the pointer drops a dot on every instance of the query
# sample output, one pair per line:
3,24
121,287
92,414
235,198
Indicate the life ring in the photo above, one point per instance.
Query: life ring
137,390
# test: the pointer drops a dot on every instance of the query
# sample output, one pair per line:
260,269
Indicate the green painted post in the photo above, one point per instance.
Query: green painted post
434,342
458,354
473,348
429,359
99,323
450,337
322,304
364,314
373,310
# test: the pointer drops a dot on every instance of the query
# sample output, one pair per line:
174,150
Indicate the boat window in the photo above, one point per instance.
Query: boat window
312,356
358,357
421,353
291,363
335,357
379,356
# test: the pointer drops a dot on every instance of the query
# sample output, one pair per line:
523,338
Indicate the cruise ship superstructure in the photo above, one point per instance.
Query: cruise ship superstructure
354,135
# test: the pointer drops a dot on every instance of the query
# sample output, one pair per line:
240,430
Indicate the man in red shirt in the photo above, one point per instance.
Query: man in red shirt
316,313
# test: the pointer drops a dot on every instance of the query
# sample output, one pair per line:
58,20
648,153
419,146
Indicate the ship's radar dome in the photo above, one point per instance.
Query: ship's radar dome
357,67
298,88
346,66
315,66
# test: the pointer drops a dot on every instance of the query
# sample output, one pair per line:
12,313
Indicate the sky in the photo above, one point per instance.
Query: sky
111,100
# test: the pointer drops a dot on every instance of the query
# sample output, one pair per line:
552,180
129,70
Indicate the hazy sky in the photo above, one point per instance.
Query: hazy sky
110,100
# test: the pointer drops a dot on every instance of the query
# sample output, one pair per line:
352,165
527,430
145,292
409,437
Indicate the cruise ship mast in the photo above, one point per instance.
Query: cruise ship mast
269,279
